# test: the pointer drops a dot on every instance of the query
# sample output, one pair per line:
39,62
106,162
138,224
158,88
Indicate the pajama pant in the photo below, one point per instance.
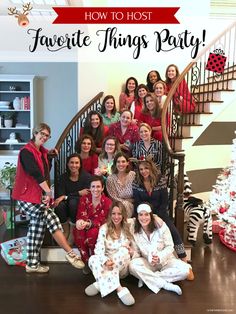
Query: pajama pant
40,218
178,242
86,240
109,280
67,209
155,277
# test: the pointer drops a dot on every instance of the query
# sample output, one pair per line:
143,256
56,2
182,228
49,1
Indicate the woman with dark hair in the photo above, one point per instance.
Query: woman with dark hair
91,215
94,127
33,193
182,98
150,186
110,148
119,183
108,110
152,77
112,256
125,131
151,114
137,104
85,147
72,184
156,266
127,97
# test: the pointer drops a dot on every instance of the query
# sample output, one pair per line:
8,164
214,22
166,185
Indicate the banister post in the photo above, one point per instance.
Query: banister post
179,212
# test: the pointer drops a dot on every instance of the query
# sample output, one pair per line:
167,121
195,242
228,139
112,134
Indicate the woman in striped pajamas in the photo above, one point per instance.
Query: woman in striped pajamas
32,191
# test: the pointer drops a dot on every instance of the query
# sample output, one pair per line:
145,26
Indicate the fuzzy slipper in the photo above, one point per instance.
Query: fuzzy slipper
92,290
126,297
171,287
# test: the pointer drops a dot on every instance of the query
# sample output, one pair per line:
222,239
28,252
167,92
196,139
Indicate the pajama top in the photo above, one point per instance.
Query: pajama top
106,248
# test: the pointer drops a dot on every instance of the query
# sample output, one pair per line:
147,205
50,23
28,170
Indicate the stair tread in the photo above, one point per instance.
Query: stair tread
181,137
208,102
215,82
190,124
214,91
225,72
195,113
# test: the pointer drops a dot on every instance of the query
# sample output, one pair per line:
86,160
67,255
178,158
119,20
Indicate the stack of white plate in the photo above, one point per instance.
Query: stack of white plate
4,104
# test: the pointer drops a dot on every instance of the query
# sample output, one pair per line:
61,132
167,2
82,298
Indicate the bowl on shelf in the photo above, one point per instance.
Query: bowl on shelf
4,103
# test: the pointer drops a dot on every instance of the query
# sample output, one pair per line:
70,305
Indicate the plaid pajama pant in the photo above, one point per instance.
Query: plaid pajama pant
40,218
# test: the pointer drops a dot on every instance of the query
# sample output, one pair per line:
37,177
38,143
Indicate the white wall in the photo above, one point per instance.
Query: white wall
56,92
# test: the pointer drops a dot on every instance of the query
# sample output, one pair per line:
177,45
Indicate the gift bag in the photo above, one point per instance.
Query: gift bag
216,61
14,251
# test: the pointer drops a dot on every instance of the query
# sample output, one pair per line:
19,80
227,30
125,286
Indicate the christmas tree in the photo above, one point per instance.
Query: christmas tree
222,201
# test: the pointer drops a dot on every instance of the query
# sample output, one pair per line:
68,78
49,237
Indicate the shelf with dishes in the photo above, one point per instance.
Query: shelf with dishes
16,111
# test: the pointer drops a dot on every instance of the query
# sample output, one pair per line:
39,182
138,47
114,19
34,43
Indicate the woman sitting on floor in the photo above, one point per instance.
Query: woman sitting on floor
156,266
112,256
150,186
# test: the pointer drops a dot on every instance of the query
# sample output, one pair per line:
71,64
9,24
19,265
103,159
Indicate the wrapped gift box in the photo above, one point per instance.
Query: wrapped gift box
216,61
217,226
230,236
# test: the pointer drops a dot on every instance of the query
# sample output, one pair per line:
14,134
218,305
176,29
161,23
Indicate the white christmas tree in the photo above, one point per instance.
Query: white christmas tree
222,199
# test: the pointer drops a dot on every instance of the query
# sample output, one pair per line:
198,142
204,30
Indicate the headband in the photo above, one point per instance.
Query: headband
144,207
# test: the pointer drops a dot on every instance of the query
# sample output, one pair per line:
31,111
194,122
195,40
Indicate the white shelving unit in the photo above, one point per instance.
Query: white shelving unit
23,121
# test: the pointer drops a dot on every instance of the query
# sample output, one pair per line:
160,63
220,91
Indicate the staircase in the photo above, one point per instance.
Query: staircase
212,98
212,93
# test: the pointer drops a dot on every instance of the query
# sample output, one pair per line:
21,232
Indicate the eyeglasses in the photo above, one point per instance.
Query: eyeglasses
45,134
110,144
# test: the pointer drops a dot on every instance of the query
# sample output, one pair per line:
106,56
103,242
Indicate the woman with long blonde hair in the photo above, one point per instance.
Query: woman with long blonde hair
112,256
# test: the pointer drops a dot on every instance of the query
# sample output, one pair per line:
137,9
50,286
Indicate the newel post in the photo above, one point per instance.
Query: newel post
179,212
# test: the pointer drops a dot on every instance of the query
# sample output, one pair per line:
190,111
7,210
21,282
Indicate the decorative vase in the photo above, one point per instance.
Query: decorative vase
17,103
8,123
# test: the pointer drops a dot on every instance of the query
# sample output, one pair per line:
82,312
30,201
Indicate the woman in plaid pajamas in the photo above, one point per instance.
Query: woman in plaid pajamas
34,195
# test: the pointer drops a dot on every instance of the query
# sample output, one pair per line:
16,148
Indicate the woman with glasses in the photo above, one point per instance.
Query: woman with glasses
110,147
32,191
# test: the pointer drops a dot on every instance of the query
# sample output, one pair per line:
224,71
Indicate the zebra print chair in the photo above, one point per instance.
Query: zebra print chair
196,214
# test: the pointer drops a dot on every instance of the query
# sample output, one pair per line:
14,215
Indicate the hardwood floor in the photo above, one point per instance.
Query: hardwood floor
62,290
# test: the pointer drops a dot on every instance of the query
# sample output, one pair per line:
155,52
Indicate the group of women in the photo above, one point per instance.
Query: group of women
102,191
